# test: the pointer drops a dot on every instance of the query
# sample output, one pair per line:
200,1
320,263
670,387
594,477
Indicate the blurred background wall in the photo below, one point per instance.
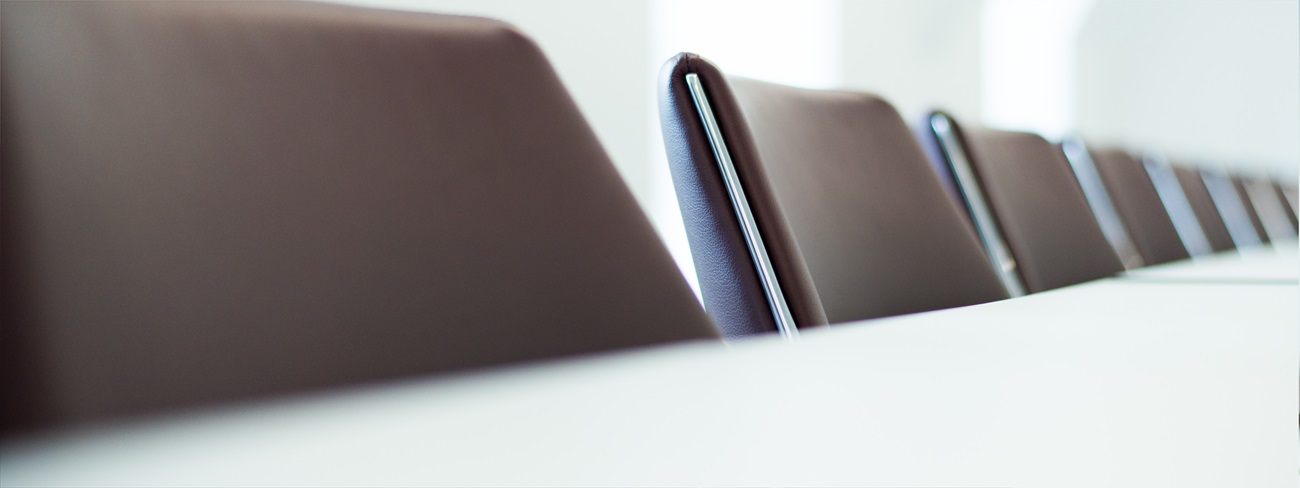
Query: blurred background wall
1212,82
1216,82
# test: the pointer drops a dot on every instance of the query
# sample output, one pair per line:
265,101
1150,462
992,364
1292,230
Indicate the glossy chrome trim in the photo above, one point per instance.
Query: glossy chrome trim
740,204
1180,210
1228,201
985,226
1094,190
1269,209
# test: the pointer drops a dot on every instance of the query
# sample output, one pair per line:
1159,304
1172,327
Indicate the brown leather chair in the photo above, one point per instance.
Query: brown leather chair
1287,195
1139,206
1267,198
1039,209
1243,194
206,202
849,219
1102,203
1176,204
1203,205
1231,208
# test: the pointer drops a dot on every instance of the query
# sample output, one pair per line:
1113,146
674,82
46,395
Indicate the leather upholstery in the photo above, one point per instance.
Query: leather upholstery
1239,186
931,146
206,202
873,226
1287,203
1040,209
1203,205
1139,206
729,282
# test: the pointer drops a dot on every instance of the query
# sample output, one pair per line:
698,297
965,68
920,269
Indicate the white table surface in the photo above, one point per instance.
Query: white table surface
1113,383
1278,263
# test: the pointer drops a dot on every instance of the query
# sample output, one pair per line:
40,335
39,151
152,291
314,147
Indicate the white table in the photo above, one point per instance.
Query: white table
1279,263
1113,383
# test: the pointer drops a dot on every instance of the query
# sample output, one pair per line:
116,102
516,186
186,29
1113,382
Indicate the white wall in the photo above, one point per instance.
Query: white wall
1215,80
918,54
1028,64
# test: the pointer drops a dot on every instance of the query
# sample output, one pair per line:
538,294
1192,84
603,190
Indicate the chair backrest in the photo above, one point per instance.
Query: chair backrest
939,135
205,202
1239,185
1139,206
1099,199
1230,208
1287,194
1040,210
1176,204
932,147
1272,206
851,216
1203,205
